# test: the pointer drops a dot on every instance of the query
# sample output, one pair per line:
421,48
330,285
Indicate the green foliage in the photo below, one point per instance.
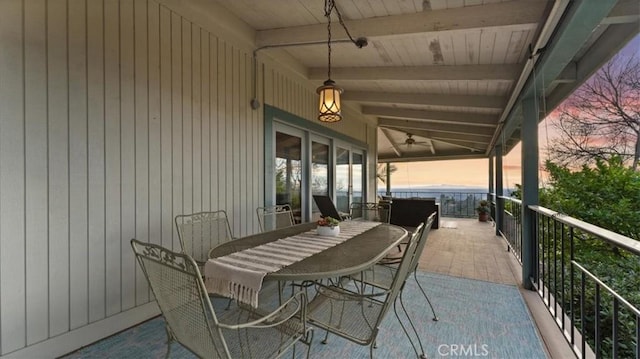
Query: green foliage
517,193
483,207
607,195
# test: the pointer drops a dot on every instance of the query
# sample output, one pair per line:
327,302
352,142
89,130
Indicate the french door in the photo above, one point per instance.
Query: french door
350,177
303,163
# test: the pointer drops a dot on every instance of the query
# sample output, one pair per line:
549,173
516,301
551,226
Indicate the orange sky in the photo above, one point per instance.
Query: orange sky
473,173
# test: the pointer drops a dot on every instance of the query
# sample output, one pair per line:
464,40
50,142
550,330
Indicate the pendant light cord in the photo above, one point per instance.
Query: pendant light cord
328,6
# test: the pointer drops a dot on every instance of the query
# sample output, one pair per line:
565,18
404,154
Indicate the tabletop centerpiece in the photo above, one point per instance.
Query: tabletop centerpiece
328,226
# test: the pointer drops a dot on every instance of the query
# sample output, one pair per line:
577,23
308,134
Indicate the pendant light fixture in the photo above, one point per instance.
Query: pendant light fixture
329,92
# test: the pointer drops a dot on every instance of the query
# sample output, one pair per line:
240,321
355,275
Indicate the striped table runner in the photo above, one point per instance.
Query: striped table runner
239,275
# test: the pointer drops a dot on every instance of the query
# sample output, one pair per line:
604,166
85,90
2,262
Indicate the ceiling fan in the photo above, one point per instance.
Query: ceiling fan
410,141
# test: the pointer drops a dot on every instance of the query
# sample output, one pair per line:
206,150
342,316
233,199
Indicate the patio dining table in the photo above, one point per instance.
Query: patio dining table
352,256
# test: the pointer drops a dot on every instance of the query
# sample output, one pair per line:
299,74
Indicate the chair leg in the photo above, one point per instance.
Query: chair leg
415,276
404,309
326,336
169,341
406,333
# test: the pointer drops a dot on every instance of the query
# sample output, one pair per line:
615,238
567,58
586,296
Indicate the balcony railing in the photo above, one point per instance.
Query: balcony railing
452,204
578,278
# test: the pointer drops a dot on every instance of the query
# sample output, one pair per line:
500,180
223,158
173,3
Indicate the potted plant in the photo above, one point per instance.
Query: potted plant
328,226
483,211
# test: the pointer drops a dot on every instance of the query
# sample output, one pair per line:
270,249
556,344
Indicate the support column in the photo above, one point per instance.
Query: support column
499,191
529,160
388,182
491,186
491,175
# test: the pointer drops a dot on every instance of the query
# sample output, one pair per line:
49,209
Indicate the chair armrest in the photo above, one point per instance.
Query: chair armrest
275,317
341,293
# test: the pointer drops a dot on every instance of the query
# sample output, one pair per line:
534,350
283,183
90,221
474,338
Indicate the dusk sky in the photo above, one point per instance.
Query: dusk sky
475,172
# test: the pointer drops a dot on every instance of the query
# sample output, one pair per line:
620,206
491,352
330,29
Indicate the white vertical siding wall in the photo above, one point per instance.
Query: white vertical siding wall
115,116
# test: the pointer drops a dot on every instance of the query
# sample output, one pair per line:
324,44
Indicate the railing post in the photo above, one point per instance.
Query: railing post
499,192
529,160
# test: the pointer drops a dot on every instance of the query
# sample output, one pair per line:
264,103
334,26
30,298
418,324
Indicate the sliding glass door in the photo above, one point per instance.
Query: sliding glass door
289,171
343,179
319,171
350,178
303,159
357,176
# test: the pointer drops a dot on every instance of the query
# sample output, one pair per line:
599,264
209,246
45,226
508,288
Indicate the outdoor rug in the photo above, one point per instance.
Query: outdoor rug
477,319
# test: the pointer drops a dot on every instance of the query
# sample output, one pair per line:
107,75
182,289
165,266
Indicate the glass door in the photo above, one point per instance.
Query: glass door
357,183
350,177
288,171
343,179
319,171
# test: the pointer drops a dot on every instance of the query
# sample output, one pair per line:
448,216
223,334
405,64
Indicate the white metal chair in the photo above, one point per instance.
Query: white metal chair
371,211
381,276
190,319
275,217
199,232
349,312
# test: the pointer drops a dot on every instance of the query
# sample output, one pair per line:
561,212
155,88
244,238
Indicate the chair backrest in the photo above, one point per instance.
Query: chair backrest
177,286
274,217
199,232
371,211
327,207
401,274
422,242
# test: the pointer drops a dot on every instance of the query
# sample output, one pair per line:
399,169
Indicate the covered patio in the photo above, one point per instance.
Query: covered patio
464,254
116,116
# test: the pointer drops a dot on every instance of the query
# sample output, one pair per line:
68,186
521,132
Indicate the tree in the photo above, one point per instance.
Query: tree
606,195
382,171
601,119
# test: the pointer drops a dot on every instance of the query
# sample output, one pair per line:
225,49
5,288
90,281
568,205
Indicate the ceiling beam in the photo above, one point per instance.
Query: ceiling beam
471,146
459,154
421,73
393,145
461,145
459,118
518,15
625,11
490,102
569,74
579,22
402,125
610,42
473,143
463,139
433,149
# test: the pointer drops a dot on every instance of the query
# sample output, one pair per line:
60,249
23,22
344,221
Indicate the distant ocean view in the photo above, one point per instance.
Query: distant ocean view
436,191
454,201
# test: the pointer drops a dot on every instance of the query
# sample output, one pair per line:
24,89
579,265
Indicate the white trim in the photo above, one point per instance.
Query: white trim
83,336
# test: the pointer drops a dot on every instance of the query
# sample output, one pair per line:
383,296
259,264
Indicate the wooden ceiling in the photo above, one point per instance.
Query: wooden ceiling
446,74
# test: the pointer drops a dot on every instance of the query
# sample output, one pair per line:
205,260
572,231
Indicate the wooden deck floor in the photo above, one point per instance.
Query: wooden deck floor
470,249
